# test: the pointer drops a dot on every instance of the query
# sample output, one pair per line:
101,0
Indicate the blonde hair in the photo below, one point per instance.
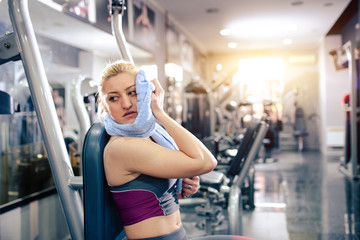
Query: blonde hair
111,70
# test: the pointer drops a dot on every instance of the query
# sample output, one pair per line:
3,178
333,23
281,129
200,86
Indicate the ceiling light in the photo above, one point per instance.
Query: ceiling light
225,32
287,41
232,45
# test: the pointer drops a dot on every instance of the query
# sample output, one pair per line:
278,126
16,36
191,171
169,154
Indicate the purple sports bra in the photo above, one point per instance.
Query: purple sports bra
145,197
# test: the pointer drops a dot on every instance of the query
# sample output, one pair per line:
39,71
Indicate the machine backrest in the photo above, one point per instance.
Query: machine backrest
243,149
102,220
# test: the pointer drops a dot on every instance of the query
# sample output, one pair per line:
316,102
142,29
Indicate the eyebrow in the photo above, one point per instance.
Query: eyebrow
115,92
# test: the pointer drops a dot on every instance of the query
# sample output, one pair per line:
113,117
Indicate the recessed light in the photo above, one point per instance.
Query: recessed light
224,32
232,44
287,41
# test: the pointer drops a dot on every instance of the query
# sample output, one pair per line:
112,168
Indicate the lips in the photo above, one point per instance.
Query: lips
130,114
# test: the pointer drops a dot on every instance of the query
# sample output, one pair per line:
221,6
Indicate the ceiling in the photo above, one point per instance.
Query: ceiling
264,24
49,20
256,24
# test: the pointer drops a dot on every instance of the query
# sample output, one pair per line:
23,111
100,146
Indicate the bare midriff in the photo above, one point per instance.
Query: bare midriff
154,227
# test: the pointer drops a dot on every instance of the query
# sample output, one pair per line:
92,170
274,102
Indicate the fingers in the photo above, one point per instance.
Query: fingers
158,95
158,89
194,181
190,186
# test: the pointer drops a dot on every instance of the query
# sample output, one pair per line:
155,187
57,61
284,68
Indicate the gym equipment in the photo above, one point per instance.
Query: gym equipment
102,220
8,48
7,105
27,50
198,110
117,8
224,189
352,169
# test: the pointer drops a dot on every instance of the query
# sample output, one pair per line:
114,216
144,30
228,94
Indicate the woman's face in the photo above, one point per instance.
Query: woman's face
120,98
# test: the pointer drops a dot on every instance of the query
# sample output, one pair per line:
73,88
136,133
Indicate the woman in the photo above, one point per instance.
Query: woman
140,172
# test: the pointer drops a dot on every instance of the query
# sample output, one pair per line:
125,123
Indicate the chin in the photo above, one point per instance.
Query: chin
128,121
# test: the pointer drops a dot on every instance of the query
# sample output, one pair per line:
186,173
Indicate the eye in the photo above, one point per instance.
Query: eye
113,98
132,93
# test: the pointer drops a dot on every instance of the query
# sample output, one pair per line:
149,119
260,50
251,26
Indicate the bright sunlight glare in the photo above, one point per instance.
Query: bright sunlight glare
260,78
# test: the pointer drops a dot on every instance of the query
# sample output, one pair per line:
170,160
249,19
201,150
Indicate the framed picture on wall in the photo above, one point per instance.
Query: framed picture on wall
144,23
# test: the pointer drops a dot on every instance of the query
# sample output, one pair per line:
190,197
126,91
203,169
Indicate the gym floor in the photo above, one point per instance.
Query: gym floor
301,195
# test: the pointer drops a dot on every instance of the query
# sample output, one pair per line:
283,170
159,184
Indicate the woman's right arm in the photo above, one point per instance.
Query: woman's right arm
186,141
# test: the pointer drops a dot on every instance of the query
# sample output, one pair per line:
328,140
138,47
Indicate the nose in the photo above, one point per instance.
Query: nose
126,102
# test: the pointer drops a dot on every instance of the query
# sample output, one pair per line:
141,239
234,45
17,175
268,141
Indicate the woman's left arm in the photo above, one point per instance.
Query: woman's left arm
189,187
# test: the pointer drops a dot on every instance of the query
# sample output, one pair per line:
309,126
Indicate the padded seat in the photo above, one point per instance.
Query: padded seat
6,103
213,179
102,220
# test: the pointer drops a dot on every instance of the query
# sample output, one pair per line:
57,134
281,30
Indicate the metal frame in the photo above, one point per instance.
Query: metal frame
235,208
118,8
49,124
80,109
354,111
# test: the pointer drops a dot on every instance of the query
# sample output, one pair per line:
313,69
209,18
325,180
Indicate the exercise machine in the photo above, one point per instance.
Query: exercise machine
225,189
352,169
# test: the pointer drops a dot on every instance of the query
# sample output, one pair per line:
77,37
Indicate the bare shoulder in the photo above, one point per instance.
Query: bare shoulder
118,154
124,147
118,145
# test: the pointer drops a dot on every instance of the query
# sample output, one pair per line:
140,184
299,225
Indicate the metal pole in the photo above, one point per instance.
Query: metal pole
116,25
261,132
349,49
80,110
235,209
235,197
46,113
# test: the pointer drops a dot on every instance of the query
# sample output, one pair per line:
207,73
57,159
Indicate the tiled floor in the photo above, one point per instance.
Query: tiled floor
301,196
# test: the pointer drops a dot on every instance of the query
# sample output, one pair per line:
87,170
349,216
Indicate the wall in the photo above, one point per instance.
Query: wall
333,86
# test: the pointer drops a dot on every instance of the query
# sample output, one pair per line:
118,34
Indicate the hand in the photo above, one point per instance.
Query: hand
157,98
189,187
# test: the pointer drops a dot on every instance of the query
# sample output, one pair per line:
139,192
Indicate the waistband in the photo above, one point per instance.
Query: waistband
179,234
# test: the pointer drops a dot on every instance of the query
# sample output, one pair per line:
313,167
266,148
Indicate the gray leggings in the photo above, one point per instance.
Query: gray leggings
181,235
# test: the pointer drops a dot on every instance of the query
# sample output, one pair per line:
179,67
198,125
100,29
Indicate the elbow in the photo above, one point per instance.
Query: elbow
203,165
214,163
211,163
